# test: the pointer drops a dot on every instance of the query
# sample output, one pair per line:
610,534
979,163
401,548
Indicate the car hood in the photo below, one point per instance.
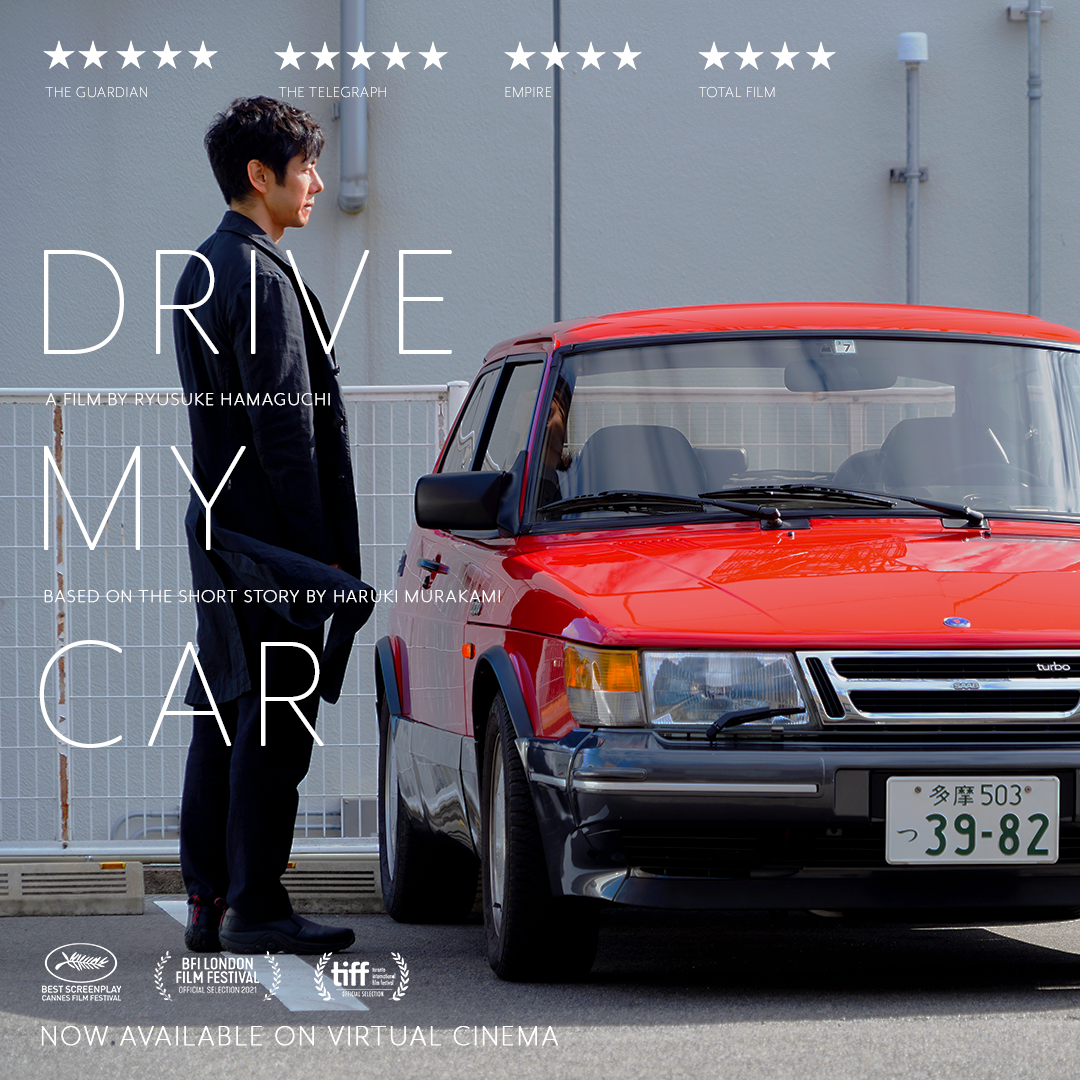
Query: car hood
840,583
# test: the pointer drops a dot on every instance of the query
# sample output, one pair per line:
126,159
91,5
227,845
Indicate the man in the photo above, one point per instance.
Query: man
247,341
554,458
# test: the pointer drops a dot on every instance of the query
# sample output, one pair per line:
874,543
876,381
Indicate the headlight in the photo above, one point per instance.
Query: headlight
688,688
603,686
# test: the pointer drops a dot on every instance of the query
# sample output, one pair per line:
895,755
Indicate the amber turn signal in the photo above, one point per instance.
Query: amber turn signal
600,669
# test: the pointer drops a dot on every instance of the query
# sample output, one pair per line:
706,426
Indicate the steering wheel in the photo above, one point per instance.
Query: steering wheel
988,472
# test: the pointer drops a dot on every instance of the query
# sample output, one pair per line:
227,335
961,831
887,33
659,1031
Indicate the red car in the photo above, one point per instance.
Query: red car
762,606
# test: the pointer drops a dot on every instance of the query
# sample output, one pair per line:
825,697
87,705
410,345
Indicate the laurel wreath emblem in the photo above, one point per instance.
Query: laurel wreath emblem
81,962
158,981
403,984
275,967
319,985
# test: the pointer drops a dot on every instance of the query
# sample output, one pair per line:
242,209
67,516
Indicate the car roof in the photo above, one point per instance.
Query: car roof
736,318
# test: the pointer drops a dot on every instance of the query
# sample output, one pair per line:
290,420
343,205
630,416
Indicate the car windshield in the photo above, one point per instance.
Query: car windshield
782,420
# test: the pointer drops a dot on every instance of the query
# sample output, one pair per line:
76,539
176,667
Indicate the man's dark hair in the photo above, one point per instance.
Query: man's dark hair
260,129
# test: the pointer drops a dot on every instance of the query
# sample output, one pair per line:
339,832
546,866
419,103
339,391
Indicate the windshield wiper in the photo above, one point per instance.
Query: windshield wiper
747,716
974,518
626,500
866,498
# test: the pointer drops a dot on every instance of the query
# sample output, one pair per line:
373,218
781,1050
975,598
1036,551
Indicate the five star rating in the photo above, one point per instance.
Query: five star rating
166,57
361,57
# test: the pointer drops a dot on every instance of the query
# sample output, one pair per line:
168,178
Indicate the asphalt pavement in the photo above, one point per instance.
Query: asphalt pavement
735,995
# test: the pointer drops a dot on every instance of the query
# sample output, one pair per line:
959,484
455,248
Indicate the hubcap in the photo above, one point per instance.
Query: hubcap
496,837
390,802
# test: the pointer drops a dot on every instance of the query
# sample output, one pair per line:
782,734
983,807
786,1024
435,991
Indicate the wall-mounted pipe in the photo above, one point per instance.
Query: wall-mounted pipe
556,27
353,173
1035,14
1034,22
913,51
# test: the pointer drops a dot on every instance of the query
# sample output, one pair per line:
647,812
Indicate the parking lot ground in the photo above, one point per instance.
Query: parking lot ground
673,994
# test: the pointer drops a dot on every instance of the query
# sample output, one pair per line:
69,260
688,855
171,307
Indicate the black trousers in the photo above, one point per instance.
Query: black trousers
239,803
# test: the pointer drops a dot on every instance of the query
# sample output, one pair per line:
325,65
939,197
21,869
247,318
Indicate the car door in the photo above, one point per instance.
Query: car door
432,620
452,567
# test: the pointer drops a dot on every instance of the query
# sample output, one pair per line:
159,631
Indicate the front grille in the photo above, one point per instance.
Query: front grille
952,667
944,687
988,701
737,850
829,700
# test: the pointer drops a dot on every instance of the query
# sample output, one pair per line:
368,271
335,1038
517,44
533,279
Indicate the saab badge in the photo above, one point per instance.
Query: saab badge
957,622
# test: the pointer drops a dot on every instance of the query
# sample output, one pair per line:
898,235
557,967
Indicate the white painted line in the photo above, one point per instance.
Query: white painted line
296,989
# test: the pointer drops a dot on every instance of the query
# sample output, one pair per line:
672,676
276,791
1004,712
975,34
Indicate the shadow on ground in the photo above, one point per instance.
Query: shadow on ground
666,967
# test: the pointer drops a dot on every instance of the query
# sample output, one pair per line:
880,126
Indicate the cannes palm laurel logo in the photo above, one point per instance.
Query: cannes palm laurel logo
80,962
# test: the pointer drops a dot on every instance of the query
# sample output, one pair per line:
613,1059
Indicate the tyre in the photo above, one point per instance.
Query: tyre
425,878
531,934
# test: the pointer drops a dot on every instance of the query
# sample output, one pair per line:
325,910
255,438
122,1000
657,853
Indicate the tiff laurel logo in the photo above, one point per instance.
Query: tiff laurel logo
347,974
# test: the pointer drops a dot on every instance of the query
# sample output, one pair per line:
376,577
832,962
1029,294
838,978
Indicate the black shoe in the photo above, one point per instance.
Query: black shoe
203,921
292,935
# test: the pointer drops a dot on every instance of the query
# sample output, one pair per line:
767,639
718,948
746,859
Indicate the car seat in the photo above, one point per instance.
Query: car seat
638,457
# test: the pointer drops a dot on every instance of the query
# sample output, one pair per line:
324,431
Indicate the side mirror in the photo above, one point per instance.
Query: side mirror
463,501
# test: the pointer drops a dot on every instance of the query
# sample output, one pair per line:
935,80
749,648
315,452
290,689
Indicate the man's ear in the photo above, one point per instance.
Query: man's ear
258,176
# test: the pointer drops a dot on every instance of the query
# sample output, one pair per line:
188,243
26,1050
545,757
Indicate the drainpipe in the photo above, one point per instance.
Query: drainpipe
912,50
353,174
1034,21
557,170
1035,14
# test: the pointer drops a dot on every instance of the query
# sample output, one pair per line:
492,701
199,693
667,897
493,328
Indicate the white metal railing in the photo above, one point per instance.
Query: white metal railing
125,797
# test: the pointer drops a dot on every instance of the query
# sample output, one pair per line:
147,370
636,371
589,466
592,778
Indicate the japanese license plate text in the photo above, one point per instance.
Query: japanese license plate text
971,819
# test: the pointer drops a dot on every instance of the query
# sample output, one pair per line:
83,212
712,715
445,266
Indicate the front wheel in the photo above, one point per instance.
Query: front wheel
531,934
425,878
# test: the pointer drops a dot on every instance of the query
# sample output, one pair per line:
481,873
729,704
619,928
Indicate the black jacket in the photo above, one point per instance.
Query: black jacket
289,507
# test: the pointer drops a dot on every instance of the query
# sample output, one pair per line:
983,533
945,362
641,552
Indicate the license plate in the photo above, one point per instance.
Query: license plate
956,820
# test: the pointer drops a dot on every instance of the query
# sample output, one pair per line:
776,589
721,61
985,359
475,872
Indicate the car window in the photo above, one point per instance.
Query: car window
463,442
980,424
510,432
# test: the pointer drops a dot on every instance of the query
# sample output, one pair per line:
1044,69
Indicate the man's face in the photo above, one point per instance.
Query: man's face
556,433
290,204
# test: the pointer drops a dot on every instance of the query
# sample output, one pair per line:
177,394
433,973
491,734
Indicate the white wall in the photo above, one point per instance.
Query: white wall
668,198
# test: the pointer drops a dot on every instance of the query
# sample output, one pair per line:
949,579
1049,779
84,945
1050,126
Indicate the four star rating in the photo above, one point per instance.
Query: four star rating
589,58
715,58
